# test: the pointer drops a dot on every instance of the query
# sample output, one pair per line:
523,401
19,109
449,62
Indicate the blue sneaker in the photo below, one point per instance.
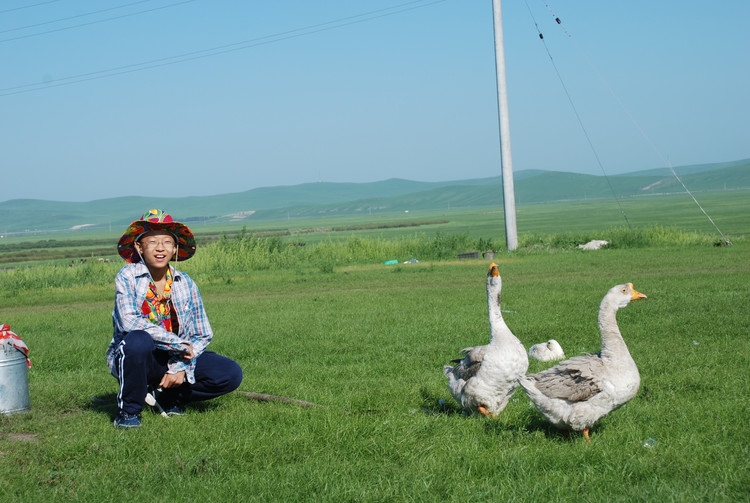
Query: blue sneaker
127,421
175,410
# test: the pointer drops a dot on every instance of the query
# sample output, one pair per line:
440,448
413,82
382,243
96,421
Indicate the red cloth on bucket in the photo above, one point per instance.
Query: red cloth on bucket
15,341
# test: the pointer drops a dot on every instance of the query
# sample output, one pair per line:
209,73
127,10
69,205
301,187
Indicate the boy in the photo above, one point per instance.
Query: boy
161,330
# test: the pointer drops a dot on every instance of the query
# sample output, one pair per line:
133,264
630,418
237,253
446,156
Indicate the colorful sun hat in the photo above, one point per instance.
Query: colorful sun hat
156,220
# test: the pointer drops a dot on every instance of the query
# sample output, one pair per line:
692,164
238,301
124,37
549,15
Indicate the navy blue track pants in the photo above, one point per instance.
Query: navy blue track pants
140,364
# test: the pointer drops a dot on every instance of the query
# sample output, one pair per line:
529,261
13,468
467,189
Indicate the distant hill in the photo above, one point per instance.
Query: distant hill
688,170
540,187
325,199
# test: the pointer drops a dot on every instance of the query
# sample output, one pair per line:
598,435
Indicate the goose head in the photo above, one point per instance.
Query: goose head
494,286
494,282
554,348
621,295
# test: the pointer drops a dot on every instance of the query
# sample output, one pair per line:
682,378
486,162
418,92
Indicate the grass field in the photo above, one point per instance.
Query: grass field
367,342
586,219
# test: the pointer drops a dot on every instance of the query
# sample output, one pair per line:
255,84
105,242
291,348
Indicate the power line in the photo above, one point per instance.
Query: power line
74,17
222,49
27,6
93,22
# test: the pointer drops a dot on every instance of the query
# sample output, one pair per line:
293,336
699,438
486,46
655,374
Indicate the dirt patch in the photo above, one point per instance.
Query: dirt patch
20,437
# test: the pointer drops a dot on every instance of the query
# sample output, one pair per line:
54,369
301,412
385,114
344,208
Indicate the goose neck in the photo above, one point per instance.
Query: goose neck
612,341
499,330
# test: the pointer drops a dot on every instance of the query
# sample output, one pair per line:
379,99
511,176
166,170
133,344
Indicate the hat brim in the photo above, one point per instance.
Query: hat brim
185,239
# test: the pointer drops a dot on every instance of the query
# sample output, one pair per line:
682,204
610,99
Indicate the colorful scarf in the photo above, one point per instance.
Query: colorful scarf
158,308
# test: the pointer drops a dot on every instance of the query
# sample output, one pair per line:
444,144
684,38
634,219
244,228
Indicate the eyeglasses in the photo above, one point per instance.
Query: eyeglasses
153,243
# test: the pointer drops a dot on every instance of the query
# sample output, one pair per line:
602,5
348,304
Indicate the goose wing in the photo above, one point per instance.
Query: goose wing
574,380
469,365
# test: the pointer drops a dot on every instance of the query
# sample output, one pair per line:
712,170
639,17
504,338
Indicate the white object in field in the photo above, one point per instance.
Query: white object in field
594,244
547,351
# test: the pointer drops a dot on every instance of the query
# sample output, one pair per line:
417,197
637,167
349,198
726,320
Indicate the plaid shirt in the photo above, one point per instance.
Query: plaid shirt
131,286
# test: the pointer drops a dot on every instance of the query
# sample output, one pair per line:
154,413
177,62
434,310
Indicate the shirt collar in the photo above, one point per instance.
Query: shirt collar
142,270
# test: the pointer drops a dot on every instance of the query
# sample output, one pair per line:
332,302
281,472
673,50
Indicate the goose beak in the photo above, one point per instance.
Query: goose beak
494,270
635,293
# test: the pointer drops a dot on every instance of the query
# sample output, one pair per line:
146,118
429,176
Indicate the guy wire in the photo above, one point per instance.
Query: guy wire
578,117
632,119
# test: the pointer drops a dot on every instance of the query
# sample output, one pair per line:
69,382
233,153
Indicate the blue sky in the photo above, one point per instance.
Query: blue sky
243,94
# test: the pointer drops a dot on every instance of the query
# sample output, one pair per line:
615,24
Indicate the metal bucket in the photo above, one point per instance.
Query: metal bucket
14,380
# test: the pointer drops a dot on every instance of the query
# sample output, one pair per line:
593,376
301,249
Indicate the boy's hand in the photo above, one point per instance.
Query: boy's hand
189,354
173,380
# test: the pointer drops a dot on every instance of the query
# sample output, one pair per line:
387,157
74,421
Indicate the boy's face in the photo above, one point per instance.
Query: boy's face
157,248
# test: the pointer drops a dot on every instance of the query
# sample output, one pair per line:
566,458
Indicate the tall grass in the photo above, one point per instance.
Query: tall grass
232,256
238,255
621,237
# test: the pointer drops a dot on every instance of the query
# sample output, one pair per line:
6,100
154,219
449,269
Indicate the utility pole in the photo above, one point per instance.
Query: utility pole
509,198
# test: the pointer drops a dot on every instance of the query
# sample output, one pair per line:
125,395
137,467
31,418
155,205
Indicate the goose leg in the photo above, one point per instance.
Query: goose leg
483,410
586,434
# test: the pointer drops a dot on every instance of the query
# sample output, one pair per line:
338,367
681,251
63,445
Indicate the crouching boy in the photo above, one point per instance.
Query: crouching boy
161,330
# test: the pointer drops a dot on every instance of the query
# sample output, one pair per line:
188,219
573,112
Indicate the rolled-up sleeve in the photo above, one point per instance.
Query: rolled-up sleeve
194,326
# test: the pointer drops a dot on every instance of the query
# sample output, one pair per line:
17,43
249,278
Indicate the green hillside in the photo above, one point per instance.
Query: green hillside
541,187
312,200
687,170
30,214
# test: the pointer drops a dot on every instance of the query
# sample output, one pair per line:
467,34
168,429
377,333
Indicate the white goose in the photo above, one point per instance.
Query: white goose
485,379
547,351
578,392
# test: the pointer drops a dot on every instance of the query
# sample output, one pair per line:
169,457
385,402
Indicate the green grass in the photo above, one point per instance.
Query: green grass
368,342
536,223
